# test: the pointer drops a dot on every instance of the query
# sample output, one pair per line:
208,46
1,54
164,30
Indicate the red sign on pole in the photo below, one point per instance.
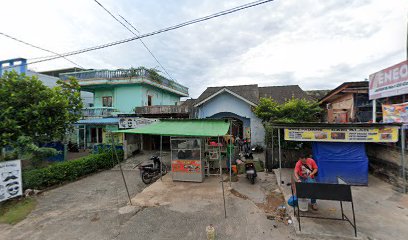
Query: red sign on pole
186,166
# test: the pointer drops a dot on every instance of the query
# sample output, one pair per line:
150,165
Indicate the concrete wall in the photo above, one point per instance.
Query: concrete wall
159,96
100,93
227,103
127,97
132,144
385,162
50,81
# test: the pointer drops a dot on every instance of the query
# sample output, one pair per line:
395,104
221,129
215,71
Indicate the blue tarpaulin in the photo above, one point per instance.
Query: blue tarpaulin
59,146
346,160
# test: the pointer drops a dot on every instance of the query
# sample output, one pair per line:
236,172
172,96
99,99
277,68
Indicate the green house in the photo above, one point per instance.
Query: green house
139,91
121,91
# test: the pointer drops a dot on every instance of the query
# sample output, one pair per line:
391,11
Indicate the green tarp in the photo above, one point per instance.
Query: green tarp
190,128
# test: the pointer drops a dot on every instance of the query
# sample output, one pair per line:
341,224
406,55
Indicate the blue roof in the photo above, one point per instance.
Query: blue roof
101,121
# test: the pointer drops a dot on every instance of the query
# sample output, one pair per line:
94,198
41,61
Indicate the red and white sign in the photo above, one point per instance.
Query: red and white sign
389,82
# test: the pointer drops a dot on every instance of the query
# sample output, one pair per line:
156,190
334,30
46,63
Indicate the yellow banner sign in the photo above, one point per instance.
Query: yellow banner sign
385,134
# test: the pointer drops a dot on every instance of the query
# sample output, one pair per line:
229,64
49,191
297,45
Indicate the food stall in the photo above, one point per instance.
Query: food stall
186,159
187,141
338,149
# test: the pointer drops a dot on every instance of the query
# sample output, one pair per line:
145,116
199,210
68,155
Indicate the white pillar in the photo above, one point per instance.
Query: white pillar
374,110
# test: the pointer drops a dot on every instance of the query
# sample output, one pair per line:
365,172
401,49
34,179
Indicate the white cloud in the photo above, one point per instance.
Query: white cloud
313,43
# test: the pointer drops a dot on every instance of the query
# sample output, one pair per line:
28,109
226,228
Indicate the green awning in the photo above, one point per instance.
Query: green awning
189,127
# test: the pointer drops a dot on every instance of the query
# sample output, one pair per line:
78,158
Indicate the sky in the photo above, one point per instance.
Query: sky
316,44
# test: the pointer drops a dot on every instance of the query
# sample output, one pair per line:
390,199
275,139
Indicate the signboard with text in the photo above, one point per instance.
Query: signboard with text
384,134
10,180
186,166
389,82
134,122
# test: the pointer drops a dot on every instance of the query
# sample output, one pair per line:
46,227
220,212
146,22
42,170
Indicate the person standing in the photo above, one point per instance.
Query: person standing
305,171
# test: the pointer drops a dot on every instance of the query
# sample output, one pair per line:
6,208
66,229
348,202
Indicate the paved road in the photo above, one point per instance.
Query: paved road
96,208
86,209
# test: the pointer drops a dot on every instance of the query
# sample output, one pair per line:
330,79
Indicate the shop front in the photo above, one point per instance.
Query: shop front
188,138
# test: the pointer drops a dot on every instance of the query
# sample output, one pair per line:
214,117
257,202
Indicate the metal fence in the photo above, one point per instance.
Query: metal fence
123,74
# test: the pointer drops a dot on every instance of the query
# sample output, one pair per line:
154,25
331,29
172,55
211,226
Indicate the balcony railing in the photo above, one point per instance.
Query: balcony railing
98,112
164,109
123,74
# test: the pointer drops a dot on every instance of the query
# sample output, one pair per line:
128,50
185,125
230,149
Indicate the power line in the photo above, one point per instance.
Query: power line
34,46
129,23
215,15
164,69
151,53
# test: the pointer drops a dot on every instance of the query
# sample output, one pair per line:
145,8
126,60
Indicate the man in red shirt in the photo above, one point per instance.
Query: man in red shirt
305,171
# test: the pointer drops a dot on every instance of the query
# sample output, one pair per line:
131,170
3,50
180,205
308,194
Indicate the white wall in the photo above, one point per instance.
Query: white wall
225,102
50,81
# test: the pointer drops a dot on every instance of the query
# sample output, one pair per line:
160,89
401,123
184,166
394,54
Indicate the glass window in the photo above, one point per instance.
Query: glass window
107,101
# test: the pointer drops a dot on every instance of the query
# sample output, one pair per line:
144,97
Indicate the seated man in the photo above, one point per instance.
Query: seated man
305,171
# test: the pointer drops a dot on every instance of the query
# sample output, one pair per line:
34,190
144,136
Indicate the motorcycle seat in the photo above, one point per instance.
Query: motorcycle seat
149,165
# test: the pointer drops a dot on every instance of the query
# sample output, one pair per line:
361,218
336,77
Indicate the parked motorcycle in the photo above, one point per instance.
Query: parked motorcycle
250,171
248,151
151,171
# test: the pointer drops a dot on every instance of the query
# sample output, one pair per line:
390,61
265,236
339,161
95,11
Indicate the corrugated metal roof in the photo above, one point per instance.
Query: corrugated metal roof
99,121
184,127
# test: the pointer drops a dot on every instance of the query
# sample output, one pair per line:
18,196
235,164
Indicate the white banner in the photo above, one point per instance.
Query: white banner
389,82
134,122
10,180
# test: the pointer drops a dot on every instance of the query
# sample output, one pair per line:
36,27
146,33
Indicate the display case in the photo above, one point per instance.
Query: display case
186,159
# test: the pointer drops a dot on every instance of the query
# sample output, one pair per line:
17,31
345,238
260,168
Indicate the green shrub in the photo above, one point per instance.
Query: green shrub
58,173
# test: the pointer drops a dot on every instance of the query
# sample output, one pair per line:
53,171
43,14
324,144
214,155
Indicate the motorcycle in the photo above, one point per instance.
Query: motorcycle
250,171
248,151
151,171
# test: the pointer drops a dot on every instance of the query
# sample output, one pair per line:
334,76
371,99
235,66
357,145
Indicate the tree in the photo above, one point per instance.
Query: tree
293,110
31,109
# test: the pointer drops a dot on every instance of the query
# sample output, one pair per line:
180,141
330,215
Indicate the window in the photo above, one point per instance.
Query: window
149,100
107,101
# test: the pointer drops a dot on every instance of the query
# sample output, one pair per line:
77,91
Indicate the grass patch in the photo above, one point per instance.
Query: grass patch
12,212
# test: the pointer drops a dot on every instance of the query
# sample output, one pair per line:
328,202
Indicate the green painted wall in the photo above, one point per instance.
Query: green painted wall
159,96
127,97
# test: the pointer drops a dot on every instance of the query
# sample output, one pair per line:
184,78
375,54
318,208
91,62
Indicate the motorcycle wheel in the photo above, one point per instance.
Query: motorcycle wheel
164,169
146,178
253,179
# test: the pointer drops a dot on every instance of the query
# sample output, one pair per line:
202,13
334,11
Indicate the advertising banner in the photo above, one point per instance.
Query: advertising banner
134,122
389,82
386,134
10,180
186,166
395,113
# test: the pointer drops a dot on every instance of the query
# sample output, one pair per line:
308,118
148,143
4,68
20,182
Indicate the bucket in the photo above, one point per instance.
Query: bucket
234,169
210,232
303,204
